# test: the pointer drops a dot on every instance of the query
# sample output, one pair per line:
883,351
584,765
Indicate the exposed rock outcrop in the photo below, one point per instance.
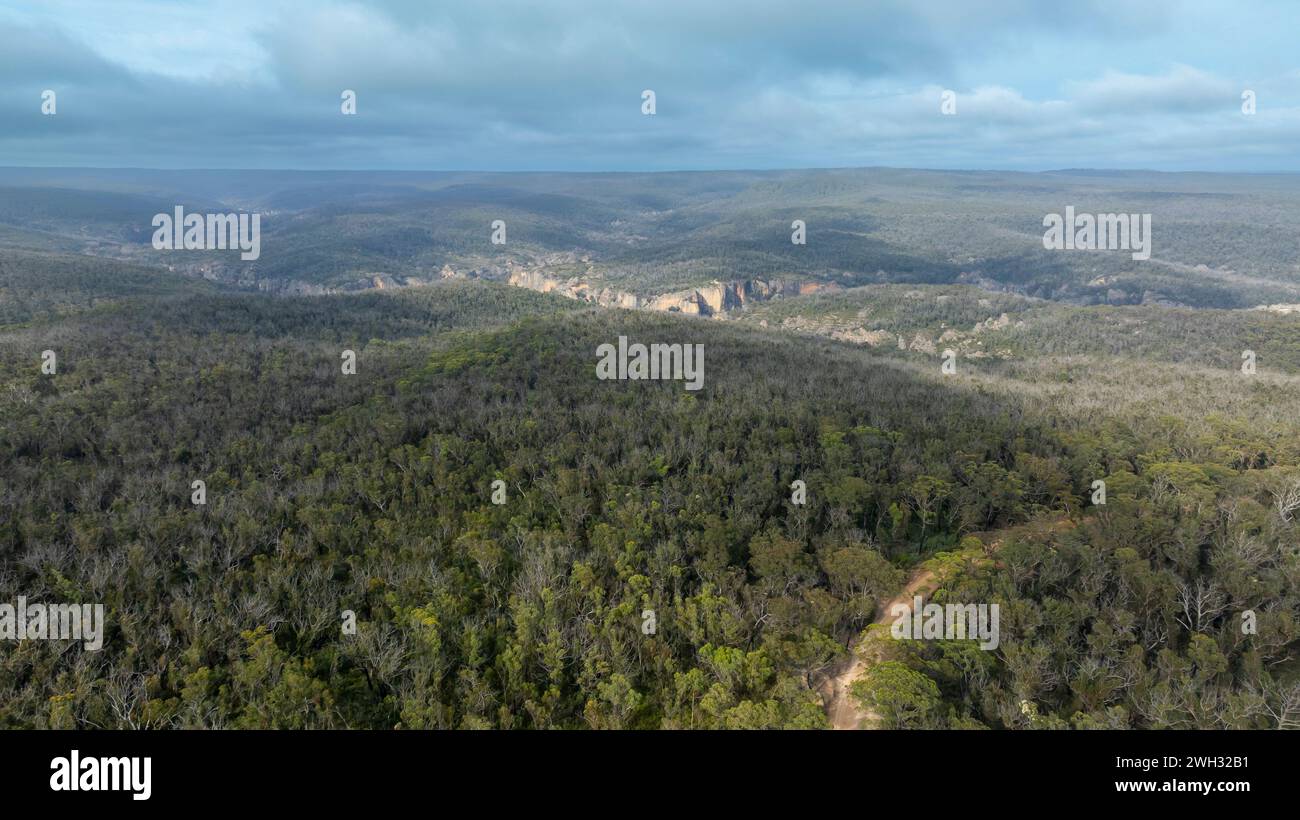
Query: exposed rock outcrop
921,343
713,300
992,324
1280,308
862,336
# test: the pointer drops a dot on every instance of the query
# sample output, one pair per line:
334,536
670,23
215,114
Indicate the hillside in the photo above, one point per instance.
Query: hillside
1225,241
647,566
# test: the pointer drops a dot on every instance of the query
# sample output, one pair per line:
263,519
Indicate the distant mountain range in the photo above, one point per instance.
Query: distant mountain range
696,242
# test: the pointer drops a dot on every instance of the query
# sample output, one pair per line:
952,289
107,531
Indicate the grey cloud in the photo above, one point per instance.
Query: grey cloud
519,85
1182,88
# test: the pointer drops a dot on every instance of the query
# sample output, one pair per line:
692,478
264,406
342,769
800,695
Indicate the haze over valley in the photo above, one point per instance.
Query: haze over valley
843,366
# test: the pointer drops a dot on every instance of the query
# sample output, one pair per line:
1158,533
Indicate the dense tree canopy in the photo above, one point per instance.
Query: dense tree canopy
648,567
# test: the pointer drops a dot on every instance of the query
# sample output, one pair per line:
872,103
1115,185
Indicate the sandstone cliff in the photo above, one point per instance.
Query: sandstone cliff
713,300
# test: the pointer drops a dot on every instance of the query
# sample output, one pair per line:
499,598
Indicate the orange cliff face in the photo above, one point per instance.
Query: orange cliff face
713,300
721,298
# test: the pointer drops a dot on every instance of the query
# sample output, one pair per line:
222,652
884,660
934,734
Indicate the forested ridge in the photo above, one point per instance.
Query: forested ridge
1219,240
372,493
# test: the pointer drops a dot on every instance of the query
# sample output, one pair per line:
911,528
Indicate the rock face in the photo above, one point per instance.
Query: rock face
921,343
862,336
992,324
714,300
572,288
293,288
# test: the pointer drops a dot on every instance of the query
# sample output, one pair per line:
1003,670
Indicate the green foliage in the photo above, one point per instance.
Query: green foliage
371,494
902,697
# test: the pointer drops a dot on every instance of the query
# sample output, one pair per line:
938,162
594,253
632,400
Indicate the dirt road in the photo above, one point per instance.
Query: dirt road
841,707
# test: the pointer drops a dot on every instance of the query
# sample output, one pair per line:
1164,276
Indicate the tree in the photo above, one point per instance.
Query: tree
903,698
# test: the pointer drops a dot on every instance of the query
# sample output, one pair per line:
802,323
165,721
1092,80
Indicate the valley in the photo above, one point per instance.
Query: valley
498,518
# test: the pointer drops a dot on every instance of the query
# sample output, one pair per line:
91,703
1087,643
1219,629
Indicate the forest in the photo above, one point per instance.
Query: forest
473,531
1218,240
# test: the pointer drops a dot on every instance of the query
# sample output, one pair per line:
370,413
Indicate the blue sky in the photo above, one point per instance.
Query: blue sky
557,85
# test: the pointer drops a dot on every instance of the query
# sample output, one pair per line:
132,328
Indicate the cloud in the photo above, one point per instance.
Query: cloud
516,85
1181,88
48,53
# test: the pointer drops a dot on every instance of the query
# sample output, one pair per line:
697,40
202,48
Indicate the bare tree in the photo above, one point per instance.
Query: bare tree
1286,499
1282,704
1201,603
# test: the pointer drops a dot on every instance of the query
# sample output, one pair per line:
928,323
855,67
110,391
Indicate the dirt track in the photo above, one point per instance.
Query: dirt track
841,709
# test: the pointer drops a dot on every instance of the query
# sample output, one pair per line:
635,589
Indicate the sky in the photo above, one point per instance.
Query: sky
558,84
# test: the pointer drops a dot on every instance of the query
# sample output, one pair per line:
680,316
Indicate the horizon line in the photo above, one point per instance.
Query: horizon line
640,172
